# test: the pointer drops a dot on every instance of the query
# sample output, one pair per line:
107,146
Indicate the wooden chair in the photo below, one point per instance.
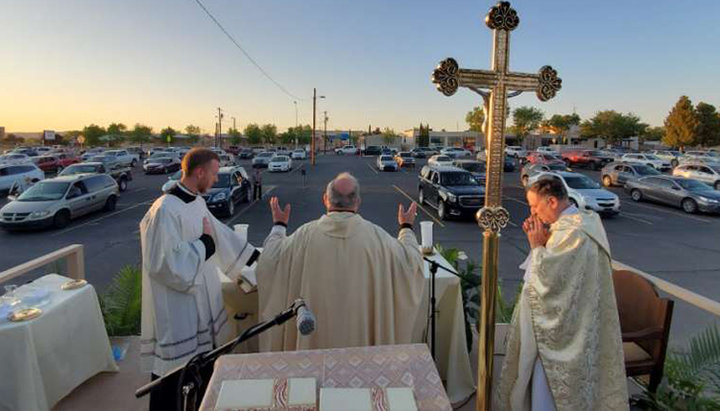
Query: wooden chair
645,323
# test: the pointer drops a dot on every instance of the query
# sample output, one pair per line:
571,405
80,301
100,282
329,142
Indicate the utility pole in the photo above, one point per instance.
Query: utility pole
234,128
312,141
218,139
296,114
325,134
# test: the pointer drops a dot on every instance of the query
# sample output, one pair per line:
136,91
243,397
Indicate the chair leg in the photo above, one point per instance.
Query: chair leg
655,379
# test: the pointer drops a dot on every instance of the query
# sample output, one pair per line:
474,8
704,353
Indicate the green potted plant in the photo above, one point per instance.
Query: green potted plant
121,305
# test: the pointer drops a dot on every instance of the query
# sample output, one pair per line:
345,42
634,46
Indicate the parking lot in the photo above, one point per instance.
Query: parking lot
660,240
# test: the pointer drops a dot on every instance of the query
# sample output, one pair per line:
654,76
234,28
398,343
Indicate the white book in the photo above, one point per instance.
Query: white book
253,394
361,399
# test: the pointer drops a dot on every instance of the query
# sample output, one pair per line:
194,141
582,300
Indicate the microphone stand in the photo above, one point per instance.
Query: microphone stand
434,265
201,360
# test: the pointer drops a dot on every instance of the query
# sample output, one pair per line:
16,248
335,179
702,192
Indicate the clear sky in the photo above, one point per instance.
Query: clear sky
68,63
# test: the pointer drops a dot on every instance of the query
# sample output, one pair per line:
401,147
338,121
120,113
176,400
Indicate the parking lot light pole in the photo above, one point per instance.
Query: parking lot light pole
312,142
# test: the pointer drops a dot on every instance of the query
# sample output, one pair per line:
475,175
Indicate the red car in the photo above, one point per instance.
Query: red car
542,158
55,163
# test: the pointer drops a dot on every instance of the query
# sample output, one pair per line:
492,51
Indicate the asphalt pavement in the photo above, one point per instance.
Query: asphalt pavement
662,241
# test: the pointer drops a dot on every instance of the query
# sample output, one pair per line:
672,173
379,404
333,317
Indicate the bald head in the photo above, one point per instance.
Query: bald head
342,194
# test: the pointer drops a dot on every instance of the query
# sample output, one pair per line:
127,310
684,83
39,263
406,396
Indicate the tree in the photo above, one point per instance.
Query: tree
92,134
235,136
140,134
707,131
612,126
254,134
116,132
269,133
680,124
560,124
526,119
193,133
167,134
388,136
654,133
424,136
475,119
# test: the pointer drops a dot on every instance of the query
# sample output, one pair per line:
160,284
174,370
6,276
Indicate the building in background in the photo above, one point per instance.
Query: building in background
467,139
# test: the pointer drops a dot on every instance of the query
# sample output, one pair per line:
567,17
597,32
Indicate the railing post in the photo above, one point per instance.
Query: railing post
76,264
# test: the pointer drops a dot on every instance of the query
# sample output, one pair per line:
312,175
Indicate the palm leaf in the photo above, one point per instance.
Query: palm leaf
122,303
700,362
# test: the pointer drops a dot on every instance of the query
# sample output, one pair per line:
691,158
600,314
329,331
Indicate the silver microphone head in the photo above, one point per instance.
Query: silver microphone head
305,320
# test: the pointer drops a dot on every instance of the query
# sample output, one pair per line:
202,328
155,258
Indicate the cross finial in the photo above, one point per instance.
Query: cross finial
502,17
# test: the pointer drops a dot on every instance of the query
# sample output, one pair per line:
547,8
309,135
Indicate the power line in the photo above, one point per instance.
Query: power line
265,73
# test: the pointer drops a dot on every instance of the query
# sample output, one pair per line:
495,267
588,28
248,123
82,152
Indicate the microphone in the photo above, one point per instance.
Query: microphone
305,319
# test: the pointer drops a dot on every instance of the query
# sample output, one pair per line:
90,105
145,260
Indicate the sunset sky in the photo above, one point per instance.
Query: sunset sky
69,63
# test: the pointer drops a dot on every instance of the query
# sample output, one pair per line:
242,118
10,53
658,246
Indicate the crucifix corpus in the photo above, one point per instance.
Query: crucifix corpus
500,84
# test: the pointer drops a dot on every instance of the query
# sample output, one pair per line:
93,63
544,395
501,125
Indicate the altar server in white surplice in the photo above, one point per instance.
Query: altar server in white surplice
183,247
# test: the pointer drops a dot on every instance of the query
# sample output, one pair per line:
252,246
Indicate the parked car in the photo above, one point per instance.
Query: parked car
137,151
456,152
232,187
708,174
55,163
386,151
405,159
56,201
41,151
440,160
386,162
283,151
121,175
234,150
548,150
15,158
298,154
226,160
280,163
619,173
671,156
705,157
162,165
584,192
88,154
476,168
529,170
451,191
246,154
690,195
371,151
262,160
21,174
648,159
28,151
417,152
593,159
515,151
346,150
172,181
429,151
542,158
123,157
109,162
508,166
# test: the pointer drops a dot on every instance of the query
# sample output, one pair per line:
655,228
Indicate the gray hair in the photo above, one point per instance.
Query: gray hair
549,187
343,201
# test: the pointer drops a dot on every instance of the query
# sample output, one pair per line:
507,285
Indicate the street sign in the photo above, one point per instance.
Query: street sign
169,139
81,139
49,135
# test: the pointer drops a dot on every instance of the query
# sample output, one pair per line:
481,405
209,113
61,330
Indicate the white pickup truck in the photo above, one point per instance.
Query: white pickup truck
348,149
123,157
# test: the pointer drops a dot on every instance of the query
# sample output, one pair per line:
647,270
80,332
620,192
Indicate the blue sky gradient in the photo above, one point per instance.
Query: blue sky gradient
163,62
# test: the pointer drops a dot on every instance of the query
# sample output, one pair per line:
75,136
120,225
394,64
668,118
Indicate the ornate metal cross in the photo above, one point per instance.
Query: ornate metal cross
502,83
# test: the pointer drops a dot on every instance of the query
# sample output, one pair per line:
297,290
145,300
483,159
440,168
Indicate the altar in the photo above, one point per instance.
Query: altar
389,366
452,358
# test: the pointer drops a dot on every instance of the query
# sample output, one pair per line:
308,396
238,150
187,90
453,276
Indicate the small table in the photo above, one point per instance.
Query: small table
385,366
45,358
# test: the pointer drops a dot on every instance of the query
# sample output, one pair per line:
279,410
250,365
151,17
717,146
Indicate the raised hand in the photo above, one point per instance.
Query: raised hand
536,232
279,215
409,216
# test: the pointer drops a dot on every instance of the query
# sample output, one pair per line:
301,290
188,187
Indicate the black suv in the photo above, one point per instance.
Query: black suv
451,191
372,151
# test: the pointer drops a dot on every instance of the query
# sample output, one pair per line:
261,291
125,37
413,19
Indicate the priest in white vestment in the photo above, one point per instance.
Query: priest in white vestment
363,285
564,349
183,247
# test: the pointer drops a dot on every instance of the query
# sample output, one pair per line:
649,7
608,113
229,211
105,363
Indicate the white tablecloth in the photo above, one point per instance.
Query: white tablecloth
44,359
453,360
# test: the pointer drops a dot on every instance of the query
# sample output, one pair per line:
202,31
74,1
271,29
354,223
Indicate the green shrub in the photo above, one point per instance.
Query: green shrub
121,303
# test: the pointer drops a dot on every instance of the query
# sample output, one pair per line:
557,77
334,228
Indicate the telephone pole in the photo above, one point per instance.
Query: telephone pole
218,138
325,134
234,128
312,141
